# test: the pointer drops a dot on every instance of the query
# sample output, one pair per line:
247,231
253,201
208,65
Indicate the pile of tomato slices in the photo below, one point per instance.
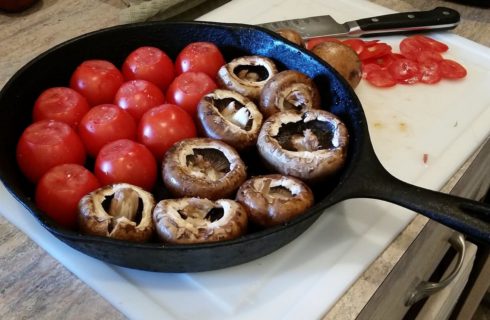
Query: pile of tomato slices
420,60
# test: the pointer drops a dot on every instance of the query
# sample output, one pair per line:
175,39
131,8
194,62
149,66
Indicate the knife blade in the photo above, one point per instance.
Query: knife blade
440,18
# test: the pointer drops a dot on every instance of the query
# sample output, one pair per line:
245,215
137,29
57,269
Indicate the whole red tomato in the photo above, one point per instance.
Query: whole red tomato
126,161
200,57
62,104
138,96
151,64
162,126
103,124
97,80
188,88
61,188
46,144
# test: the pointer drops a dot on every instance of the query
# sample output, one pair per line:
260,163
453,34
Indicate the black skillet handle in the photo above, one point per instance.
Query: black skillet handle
469,217
440,18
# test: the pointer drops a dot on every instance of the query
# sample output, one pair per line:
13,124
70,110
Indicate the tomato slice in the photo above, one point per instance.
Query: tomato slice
430,43
375,51
410,48
356,44
380,78
369,67
405,71
311,43
384,61
430,72
450,69
429,55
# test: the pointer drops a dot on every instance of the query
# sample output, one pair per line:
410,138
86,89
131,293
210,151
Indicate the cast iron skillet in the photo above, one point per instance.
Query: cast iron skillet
362,177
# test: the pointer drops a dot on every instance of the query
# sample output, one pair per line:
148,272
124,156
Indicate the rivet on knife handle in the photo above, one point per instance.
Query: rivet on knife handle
440,18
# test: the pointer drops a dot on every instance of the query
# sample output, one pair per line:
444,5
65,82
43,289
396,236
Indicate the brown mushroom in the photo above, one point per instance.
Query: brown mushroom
120,211
196,220
309,145
342,58
246,75
203,167
274,199
230,117
289,90
291,35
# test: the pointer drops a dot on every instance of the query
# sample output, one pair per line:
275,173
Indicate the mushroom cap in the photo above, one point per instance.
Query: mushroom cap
291,35
274,199
196,220
342,58
309,145
230,117
230,75
289,90
95,220
203,167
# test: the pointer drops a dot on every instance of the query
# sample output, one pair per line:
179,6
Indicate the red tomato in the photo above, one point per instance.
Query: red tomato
45,144
410,47
151,64
162,126
356,44
200,57
405,71
103,124
375,50
126,161
138,96
369,67
430,72
188,88
429,55
97,80
380,78
451,69
61,188
430,43
384,61
62,104
311,43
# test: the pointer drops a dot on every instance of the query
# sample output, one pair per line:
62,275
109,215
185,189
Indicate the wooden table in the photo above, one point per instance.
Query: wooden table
32,283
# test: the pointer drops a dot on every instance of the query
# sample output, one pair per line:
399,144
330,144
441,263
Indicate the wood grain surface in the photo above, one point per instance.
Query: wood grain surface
32,284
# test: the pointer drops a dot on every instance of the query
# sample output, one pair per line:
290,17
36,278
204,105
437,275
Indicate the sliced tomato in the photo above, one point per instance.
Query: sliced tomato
429,55
450,69
369,67
384,61
356,44
410,48
311,43
380,78
375,51
431,43
430,72
405,71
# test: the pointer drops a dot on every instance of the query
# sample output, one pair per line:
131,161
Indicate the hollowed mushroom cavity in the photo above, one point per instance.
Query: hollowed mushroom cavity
228,116
203,167
309,145
274,199
289,90
196,220
120,211
246,75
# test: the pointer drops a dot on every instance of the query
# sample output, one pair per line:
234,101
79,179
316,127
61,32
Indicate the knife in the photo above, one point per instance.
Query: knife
440,18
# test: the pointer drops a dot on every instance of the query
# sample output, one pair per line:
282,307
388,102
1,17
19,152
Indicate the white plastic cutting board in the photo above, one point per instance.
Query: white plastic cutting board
303,280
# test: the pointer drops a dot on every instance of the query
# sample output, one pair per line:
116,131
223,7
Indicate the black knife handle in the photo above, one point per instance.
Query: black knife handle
440,18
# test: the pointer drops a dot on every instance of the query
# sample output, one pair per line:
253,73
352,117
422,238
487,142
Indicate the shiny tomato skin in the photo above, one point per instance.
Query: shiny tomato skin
97,80
199,57
62,104
60,189
405,71
138,96
451,69
380,78
103,124
374,50
162,126
46,144
127,161
188,88
356,44
150,64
